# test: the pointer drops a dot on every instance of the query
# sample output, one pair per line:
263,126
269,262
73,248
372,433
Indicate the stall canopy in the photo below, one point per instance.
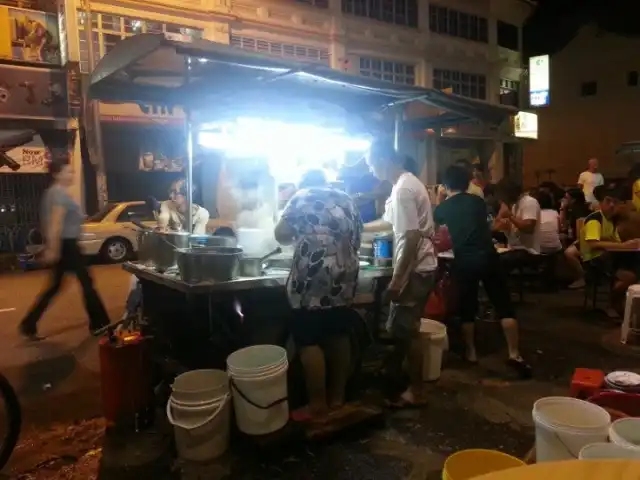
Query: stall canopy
206,76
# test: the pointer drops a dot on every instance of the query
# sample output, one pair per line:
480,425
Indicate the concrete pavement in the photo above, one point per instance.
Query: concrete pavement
56,379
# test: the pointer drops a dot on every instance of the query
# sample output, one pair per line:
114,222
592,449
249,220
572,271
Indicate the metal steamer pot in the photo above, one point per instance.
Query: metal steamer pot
208,264
253,266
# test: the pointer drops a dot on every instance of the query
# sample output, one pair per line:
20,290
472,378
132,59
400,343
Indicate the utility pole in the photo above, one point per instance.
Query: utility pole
92,127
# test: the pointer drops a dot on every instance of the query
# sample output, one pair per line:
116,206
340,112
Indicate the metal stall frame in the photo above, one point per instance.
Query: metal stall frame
197,74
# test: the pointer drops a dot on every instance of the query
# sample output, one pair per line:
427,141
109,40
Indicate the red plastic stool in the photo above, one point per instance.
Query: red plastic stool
586,382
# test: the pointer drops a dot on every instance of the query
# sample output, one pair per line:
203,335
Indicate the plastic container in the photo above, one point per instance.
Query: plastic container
608,451
259,388
468,464
564,425
626,432
626,403
201,433
200,387
434,338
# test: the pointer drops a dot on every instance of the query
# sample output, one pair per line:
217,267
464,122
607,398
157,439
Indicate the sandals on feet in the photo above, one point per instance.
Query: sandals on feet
522,368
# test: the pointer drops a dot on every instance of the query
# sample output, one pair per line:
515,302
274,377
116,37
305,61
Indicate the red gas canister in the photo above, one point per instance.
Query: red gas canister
126,381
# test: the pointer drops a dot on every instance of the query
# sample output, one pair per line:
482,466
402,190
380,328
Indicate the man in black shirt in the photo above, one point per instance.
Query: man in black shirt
475,261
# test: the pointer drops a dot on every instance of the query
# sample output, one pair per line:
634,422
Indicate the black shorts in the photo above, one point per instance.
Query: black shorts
611,262
316,326
467,279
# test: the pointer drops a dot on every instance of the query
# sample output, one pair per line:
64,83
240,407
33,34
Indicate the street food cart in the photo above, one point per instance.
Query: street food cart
199,324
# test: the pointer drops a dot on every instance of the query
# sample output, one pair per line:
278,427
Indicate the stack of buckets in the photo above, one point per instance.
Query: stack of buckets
200,411
565,425
258,377
200,406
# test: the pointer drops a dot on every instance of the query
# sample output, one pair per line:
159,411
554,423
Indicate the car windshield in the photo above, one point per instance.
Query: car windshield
104,211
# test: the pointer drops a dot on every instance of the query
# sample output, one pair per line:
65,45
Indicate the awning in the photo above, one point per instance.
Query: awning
150,68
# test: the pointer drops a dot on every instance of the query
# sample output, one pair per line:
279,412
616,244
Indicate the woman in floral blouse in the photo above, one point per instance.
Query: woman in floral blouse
324,225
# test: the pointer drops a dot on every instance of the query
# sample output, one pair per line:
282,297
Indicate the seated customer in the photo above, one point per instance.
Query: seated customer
601,248
520,215
549,224
574,209
475,261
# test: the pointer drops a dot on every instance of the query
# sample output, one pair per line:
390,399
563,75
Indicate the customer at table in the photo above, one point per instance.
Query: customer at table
325,228
475,261
573,209
602,249
549,224
519,217
408,213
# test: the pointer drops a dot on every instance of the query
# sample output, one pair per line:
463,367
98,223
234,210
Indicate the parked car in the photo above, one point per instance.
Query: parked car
110,233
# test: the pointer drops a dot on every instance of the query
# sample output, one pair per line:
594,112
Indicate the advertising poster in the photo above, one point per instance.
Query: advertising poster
33,93
34,35
32,157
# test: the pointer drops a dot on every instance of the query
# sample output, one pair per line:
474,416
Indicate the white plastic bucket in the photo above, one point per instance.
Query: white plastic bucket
608,451
434,338
201,433
565,425
200,387
256,359
626,433
259,391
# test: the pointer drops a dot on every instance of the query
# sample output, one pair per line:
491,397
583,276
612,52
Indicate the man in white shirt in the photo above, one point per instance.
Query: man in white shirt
590,179
408,213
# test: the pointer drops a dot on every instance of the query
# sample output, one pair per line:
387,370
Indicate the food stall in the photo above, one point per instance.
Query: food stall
199,322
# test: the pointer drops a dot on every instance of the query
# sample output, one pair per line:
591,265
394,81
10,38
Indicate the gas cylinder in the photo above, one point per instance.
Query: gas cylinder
126,381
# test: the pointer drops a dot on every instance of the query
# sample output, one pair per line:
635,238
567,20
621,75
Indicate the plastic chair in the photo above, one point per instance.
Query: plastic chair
630,323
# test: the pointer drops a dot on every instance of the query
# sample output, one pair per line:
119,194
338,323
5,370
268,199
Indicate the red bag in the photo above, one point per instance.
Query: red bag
442,240
440,304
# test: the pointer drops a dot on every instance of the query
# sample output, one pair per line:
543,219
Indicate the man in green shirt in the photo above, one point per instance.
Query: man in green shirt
475,261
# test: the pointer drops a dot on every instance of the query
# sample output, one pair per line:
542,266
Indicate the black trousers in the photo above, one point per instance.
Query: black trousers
71,261
467,277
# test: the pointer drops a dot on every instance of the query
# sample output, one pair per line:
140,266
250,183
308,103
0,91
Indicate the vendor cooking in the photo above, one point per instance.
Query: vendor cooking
172,217
173,212
324,225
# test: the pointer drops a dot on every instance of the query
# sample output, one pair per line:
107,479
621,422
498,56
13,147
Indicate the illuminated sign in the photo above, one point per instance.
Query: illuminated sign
539,81
525,125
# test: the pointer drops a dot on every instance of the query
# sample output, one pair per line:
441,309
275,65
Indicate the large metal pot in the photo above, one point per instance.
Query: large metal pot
208,264
253,266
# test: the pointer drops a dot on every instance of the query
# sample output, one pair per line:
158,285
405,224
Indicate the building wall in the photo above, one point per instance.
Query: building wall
318,30
574,128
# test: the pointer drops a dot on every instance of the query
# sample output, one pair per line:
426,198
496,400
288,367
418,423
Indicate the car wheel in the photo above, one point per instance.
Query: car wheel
116,250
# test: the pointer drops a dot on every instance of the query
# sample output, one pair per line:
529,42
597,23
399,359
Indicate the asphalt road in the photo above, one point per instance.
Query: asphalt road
64,366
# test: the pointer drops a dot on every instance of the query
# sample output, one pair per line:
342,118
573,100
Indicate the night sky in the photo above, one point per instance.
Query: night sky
555,22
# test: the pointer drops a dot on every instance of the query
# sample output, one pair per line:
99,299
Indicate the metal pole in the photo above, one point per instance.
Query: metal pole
189,135
397,128
93,128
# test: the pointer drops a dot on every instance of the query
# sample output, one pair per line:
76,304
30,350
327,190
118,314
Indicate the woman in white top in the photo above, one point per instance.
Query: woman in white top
549,224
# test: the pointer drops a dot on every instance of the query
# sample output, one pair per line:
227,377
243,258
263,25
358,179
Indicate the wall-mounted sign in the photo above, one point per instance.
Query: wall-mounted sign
32,157
33,93
525,125
539,81
29,36
143,113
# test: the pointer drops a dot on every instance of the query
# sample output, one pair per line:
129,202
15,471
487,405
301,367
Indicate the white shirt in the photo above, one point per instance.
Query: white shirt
170,217
549,234
589,181
527,208
409,208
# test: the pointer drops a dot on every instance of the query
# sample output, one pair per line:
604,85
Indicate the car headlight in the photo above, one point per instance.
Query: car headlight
87,236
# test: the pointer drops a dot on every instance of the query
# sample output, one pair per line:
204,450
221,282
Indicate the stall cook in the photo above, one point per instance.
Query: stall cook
324,226
408,213
171,217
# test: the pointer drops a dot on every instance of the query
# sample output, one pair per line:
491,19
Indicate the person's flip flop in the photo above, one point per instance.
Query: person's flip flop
402,404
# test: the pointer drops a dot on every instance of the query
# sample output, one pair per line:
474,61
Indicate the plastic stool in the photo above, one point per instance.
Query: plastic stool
630,324
586,382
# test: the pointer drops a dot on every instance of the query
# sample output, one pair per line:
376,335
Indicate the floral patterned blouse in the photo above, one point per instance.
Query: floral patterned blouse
327,228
